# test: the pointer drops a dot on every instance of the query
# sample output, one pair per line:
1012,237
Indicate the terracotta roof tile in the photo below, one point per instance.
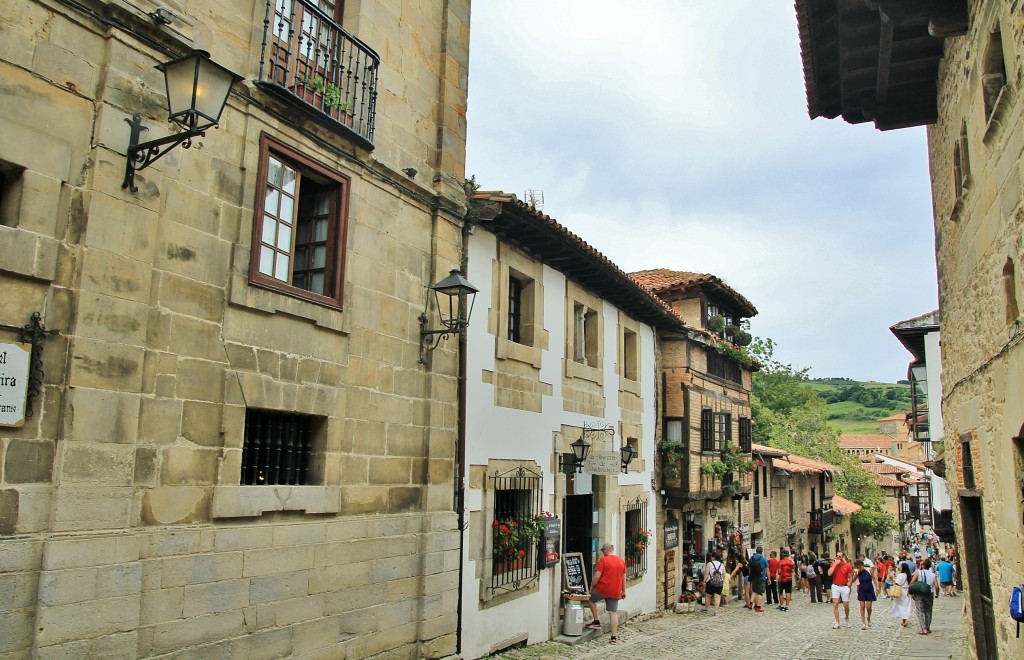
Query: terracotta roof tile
843,506
660,280
852,441
765,450
890,482
803,465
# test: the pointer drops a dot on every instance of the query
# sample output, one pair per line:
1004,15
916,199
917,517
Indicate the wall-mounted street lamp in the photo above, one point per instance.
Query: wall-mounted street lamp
455,297
628,454
573,463
713,513
197,89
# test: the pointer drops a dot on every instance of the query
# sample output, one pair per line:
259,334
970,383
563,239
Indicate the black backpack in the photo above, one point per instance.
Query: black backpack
717,578
754,567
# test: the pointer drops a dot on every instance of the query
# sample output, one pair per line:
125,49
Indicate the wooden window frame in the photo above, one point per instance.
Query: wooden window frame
337,230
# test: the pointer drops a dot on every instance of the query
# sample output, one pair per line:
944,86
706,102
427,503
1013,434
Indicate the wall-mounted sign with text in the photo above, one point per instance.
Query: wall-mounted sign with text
15,360
603,462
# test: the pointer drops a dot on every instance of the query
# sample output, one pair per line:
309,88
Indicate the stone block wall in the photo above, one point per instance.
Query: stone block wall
124,531
979,252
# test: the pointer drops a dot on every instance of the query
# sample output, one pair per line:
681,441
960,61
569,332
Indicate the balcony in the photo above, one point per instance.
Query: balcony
308,59
821,521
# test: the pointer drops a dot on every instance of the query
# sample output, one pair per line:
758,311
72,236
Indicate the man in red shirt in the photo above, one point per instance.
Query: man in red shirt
772,593
842,573
786,570
609,585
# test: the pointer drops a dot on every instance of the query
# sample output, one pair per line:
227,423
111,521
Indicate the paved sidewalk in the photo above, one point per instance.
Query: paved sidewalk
805,631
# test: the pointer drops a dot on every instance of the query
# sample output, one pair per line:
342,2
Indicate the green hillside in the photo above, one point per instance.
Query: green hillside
856,407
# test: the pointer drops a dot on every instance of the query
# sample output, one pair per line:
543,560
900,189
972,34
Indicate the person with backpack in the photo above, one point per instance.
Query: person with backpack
824,564
714,580
757,571
813,578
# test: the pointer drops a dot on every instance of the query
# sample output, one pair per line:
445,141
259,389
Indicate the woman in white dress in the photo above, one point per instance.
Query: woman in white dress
901,606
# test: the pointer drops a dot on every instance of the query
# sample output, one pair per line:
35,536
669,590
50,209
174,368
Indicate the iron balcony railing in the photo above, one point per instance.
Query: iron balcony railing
309,58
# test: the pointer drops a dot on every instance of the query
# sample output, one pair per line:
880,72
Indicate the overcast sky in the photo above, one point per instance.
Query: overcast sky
674,134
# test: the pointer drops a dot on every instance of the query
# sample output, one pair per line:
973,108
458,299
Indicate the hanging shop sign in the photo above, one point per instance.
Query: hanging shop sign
671,534
552,538
603,462
15,359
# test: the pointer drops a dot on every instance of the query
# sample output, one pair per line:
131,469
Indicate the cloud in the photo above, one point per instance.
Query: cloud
676,135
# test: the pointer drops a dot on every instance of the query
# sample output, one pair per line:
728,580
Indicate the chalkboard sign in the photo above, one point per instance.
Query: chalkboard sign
552,539
575,573
671,534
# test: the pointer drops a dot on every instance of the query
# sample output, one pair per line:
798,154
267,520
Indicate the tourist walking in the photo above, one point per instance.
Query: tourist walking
901,604
786,571
945,571
609,585
743,583
824,565
841,573
772,586
813,579
924,599
865,593
714,580
757,569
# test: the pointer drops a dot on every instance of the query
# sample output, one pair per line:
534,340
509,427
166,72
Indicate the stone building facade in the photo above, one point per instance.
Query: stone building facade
230,444
959,68
705,412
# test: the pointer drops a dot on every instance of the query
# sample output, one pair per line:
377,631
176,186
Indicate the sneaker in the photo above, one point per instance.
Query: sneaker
835,626
863,627
780,607
759,609
613,640
594,625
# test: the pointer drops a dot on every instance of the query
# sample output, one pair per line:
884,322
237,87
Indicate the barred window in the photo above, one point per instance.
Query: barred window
638,538
515,528
276,448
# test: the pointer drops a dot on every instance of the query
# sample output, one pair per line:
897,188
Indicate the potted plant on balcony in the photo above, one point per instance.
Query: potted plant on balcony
728,470
672,454
716,324
325,96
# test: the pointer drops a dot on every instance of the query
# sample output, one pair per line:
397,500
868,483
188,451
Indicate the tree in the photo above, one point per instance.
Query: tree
789,415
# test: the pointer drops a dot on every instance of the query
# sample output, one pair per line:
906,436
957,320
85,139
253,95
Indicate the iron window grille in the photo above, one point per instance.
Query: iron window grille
276,448
638,538
517,511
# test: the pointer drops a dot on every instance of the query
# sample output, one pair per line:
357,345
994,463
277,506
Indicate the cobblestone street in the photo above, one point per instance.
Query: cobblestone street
805,631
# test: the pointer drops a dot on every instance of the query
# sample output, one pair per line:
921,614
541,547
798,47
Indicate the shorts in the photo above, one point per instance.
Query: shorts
840,592
946,584
757,586
713,589
610,604
786,587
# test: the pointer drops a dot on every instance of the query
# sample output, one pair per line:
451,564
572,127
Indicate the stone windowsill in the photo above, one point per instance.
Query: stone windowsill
254,501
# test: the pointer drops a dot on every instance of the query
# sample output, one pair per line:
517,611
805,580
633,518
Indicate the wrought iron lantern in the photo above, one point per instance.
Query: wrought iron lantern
573,463
197,90
628,454
455,297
